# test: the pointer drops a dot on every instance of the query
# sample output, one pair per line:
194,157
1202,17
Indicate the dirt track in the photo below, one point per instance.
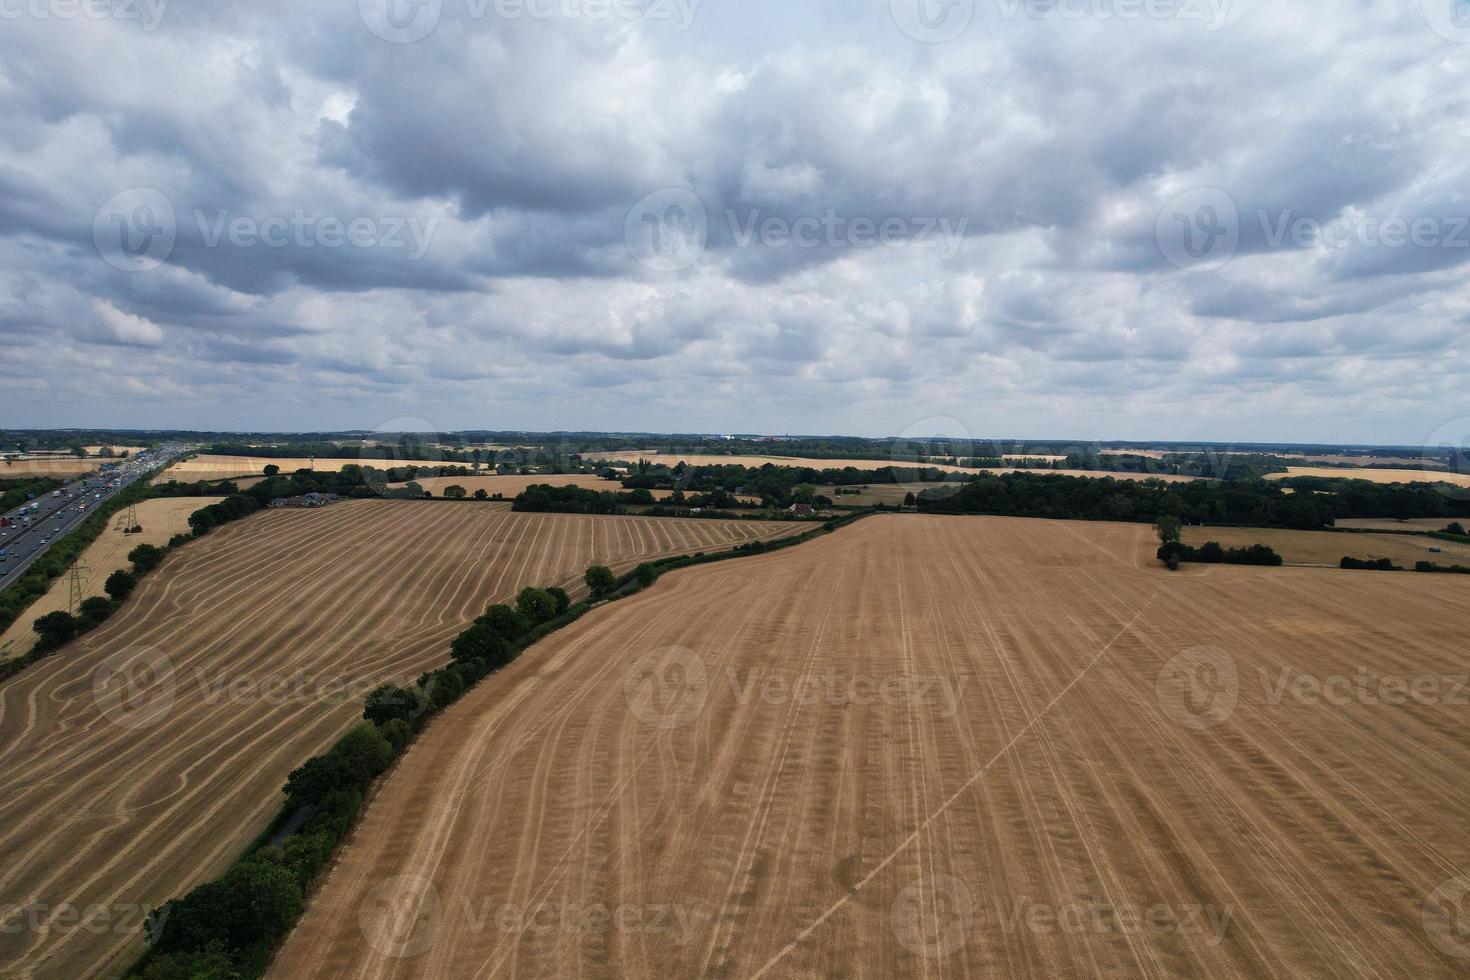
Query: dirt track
1023,771
262,640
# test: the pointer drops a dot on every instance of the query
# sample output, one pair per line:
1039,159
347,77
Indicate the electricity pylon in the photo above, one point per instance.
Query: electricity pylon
74,587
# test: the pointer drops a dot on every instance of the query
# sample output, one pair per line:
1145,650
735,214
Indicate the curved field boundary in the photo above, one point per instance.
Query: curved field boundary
251,650
930,746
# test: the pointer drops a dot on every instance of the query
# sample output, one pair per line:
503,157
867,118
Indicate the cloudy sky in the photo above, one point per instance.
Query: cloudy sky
1185,219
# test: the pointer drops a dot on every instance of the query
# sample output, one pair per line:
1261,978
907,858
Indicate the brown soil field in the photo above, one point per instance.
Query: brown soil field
1328,548
512,486
244,654
160,520
1376,476
938,747
863,464
61,468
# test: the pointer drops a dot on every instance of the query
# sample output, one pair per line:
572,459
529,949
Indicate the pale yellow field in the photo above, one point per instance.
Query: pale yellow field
61,467
1413,524
130,450
1327,548
160,520
512,486
673,459
1375,476
208,467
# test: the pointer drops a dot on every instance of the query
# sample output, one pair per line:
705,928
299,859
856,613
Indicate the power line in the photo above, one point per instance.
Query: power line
74,586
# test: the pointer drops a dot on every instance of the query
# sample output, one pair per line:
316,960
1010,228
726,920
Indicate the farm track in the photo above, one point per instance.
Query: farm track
1019,822
123,806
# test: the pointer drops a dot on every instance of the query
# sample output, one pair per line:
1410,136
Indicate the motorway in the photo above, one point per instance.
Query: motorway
56,516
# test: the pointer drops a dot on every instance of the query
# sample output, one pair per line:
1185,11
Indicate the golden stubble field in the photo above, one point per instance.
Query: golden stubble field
512,486
160,519
1328,548
695,459
62,468
1376,475
142,759
938,747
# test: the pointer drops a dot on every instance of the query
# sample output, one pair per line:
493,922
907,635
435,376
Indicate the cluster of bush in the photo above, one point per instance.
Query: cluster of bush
1174,553
1369,565
13,493
229,926
1429,566
56,629
541,498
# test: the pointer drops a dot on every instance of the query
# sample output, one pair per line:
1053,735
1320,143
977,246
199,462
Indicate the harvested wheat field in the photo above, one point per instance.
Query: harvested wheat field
61,468
245,654
1415,524
160,520
512,486
673,459
207,467
929,746
1376,475
1328,548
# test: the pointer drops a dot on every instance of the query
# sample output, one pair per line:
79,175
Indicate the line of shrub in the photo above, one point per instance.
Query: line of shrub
230,927
1370,565
1429,566
1173,553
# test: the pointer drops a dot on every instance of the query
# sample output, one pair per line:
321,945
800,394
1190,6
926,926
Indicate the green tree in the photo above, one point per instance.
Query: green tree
454,492
1168,528
537,605
600,580
120,584
505,621
55,629
563,601
93,611
647,574
480,494
146,557
480,642
271,469
253,904
393,703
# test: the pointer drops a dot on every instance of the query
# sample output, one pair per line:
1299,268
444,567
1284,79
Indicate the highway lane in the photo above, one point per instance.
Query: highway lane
56,516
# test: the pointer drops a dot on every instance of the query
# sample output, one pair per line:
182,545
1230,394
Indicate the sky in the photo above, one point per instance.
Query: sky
1087,219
